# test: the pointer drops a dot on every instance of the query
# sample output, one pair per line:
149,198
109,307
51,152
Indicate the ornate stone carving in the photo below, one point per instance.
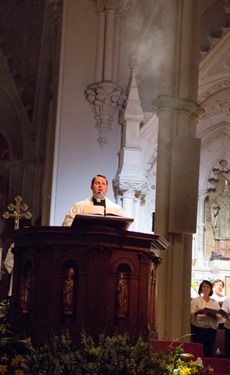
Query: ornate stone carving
105,98
133,188
220,105
150,257
117,5
220,86
219,171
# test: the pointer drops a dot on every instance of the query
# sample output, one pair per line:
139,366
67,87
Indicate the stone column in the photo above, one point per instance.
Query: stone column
130,192
177,165
127,198
100,45
199,256
109,44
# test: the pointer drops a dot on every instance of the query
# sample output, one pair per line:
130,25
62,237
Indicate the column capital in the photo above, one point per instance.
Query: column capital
169,103
135,188
110,5
104,98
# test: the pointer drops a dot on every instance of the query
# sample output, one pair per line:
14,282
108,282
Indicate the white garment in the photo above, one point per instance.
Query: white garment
219,299
87,207
226,308
9,264
202,320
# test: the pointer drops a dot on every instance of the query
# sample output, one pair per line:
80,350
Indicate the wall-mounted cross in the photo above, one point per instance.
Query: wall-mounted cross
19,211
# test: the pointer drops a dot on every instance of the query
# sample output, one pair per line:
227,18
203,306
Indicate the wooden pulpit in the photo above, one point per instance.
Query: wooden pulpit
95,276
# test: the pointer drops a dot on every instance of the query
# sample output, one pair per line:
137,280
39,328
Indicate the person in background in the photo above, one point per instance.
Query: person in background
205,318
226,310
96,204
217,288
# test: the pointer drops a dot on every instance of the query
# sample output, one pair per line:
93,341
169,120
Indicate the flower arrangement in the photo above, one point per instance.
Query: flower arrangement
180,363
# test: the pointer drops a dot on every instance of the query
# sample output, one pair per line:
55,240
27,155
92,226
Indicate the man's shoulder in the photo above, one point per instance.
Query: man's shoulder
84,201
226,301
111,202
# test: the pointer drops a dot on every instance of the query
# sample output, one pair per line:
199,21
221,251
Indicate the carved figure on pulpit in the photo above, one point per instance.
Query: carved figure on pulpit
122,297
26,292
220,214
68,293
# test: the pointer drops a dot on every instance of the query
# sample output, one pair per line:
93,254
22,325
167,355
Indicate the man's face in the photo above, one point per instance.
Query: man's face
218,287
99,187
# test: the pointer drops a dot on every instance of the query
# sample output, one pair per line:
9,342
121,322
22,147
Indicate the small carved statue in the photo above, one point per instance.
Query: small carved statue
122,297
68,292
26,292
220,214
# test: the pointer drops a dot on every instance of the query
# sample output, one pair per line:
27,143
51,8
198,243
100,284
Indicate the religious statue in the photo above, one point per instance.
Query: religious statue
68,291
122,297
220,214
26,292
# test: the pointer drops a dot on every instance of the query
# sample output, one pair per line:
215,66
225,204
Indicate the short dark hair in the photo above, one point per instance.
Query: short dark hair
99,175
209,284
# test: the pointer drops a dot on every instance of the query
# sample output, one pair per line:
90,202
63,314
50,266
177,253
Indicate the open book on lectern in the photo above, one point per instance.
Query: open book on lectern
98,220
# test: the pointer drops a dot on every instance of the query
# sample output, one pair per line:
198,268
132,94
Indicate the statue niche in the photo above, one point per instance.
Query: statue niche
26,290
122,297
68,293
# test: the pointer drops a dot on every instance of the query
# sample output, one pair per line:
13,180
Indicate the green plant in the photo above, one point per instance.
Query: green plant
13,351
110,355
58,357
4,310
119,355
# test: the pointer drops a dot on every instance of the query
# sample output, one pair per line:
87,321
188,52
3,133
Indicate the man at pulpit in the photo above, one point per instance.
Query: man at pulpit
97,204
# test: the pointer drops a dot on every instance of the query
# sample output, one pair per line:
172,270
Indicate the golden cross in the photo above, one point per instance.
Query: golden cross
19,211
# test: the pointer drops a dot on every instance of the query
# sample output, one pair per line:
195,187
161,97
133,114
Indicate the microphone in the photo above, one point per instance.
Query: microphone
103,198
102,195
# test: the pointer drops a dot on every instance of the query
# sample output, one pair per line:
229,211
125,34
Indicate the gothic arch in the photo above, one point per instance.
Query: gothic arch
214,90
215,145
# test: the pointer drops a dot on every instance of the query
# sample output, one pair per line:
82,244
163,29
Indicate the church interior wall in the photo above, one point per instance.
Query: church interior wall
78,155
140,21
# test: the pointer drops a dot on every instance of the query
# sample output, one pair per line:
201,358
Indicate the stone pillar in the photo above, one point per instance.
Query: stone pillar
130,192
127,198
109,44
177,165
199,256
100,47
